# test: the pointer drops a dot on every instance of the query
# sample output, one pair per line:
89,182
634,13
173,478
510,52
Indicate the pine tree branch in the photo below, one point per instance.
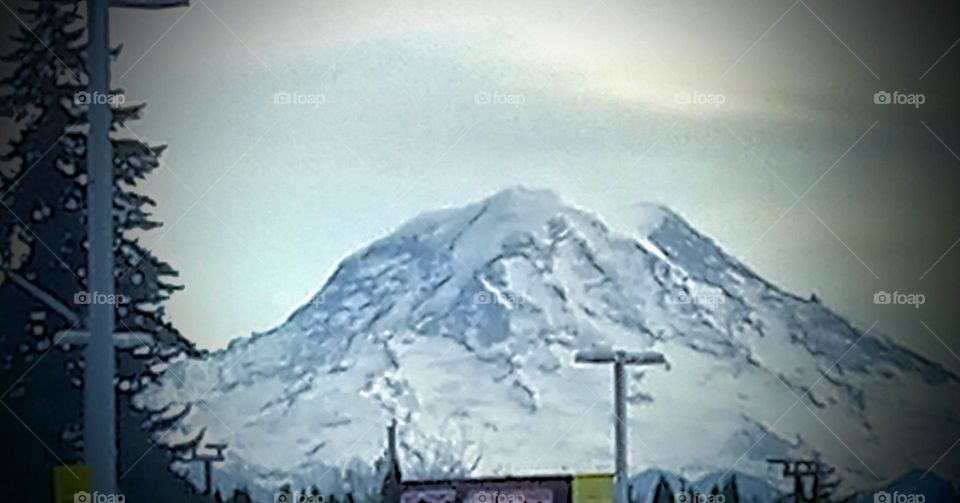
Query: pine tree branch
42,296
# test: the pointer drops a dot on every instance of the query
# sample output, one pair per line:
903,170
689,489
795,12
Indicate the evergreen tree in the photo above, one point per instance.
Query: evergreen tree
389,466
38,96
662,492
241,496
730,492
43,258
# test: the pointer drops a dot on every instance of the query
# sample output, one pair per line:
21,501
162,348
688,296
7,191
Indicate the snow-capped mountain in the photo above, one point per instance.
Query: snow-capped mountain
462,324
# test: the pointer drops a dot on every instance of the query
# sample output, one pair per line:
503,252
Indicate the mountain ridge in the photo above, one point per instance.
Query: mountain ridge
496,296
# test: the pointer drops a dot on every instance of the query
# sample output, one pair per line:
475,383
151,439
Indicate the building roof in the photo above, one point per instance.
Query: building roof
564,477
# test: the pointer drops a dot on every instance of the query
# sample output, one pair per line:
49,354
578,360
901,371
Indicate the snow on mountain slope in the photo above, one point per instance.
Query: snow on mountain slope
462,324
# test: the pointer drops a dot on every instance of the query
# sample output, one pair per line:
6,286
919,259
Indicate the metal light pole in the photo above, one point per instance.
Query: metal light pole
99,409
208,460
620,359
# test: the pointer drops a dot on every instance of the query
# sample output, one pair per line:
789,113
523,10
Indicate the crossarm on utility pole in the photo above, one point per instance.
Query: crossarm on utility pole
121,340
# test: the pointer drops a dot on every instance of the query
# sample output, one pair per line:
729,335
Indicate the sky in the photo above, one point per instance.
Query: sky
754,120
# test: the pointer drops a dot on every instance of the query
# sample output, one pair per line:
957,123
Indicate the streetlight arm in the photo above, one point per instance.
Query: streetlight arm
644,358
601,355
606,355
149,4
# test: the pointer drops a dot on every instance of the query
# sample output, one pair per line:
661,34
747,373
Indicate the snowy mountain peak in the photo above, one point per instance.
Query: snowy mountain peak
523,199
645,218
478,232
462,324
514,205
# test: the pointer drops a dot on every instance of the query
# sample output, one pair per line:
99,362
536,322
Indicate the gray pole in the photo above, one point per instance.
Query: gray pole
620,359
99,410
620,428
207,476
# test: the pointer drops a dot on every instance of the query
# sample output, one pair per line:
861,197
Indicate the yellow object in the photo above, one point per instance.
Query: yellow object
70,480
592,488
